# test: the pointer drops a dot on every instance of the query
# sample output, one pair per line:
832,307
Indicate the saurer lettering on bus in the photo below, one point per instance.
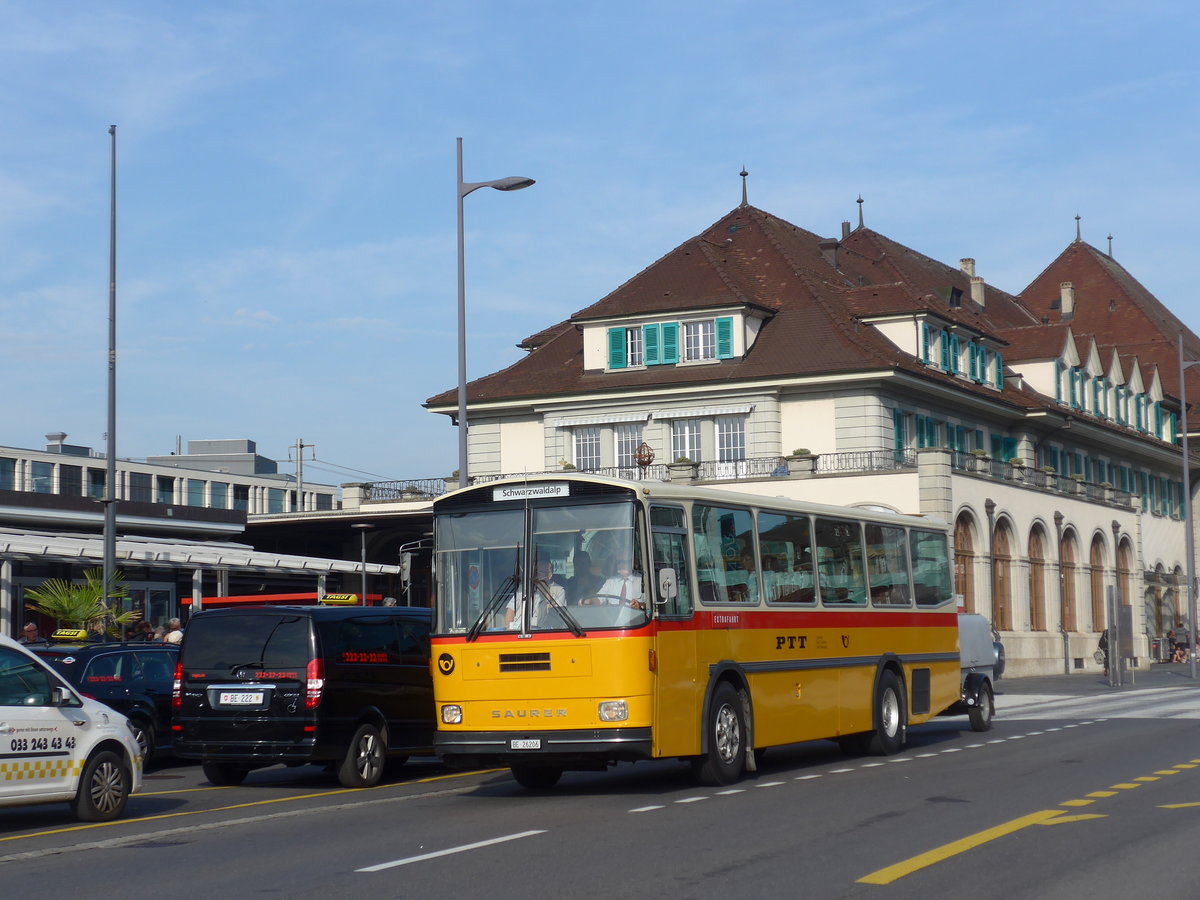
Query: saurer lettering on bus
529,713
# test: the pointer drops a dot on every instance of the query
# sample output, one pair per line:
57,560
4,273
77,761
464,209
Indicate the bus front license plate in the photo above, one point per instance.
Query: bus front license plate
525,744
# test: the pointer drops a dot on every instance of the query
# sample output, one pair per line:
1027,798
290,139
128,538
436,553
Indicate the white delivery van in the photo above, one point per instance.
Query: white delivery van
59,746
978,659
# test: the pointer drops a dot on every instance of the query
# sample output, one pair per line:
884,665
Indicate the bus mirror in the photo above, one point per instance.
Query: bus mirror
668,589
406,567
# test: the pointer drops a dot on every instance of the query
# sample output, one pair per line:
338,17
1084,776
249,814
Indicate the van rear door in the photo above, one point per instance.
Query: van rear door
244,678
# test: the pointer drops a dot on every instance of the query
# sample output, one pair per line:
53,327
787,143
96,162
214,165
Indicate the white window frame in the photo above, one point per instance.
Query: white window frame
731,438
685,439
587,448
699,340
634,347
626,439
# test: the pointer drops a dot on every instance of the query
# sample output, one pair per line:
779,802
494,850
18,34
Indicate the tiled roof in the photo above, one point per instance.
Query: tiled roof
750,258
1120,312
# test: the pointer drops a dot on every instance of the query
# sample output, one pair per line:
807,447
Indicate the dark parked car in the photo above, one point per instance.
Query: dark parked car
132,677
344,686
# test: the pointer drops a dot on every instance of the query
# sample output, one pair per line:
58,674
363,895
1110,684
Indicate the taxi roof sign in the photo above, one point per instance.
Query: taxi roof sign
69,634
340,600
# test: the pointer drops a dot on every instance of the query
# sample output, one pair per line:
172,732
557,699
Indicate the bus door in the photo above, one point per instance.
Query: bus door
678,688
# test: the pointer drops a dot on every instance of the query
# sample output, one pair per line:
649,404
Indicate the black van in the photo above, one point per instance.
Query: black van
346,686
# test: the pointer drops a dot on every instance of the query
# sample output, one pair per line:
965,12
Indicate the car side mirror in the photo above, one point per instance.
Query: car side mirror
60,696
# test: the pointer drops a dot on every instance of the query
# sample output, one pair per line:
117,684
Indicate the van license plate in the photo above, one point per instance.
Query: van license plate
240,698
525,744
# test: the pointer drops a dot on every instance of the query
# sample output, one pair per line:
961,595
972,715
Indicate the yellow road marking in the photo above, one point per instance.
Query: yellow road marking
1077,803
1102,794
215,809
1186,766
1166,772
908,866
1124,787
1178,805
1146,778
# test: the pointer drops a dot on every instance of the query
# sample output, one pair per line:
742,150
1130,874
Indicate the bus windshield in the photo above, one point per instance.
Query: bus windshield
540,568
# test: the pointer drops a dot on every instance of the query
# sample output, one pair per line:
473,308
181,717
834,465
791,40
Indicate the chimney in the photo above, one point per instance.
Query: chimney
1066,291
846,231
976,285
829,249
967,265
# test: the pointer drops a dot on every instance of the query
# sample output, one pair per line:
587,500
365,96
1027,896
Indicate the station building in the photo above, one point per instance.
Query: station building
1044,427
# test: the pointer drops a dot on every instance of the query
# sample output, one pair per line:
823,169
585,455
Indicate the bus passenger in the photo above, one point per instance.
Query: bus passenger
544,590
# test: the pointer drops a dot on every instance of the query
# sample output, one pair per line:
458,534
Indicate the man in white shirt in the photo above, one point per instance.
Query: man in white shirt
543,588
624,587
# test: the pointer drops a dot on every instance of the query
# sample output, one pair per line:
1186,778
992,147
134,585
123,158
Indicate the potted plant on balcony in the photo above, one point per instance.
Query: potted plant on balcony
683,469
1016,469
978,460
801,462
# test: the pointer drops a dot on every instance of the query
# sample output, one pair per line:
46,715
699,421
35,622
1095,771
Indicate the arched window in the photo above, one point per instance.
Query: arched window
1037,580
964,556
1068,557
1096,561
1002,577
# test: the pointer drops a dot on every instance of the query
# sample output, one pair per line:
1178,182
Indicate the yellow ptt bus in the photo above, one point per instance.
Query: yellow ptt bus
581,621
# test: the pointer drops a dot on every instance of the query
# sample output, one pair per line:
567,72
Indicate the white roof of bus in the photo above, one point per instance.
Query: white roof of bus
667,491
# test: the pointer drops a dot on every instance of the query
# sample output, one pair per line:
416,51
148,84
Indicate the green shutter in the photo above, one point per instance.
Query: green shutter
725,337
999,370
616,348
651,345
926,341
670,343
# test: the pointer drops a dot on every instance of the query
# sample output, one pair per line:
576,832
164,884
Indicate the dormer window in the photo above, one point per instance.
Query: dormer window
658,344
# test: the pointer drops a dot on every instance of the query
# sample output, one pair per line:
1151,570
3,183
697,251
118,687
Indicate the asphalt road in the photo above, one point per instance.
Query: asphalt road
1078,791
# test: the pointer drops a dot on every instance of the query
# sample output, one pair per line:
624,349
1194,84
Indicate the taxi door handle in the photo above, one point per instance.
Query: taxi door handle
79,722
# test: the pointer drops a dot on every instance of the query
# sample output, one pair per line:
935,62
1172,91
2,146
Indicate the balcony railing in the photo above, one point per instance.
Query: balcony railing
866,461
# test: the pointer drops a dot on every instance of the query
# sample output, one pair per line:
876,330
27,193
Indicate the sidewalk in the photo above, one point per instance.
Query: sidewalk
1156,675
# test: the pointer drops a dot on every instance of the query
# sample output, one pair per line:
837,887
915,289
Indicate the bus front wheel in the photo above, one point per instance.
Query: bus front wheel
725,758
891,724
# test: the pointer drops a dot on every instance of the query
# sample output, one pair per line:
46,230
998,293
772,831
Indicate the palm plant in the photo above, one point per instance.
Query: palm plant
82,605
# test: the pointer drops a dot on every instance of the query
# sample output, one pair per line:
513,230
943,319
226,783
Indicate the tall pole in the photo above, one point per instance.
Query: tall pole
1189,533
462,332
511,183
110,479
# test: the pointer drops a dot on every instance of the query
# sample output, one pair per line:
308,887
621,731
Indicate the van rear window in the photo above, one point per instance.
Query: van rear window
224,643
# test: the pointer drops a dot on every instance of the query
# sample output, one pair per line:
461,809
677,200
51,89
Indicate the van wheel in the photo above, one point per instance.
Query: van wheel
726,733
103,789
891,726
224,774
981,715
143,733
536,778
363,764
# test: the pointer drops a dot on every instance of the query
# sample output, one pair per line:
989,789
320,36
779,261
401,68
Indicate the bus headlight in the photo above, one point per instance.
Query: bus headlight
451,714
614,711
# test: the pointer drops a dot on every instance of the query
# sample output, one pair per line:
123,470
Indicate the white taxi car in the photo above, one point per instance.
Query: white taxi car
56,745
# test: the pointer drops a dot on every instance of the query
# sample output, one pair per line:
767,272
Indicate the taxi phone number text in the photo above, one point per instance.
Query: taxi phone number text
20,745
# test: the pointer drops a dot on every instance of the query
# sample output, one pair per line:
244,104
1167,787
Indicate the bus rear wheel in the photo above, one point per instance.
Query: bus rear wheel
725,731
536,778
891,725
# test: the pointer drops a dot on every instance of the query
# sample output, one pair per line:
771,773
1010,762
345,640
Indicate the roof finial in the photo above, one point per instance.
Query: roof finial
860,203
1078,237
1110,246
744,173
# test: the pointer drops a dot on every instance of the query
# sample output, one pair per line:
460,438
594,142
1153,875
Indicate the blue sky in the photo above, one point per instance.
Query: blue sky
286,171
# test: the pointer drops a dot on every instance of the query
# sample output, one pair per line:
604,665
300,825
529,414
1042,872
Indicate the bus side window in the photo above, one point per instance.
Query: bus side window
672,582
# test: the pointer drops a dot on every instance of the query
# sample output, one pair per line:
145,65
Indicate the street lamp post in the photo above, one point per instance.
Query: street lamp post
512,183
363,528
1189,532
